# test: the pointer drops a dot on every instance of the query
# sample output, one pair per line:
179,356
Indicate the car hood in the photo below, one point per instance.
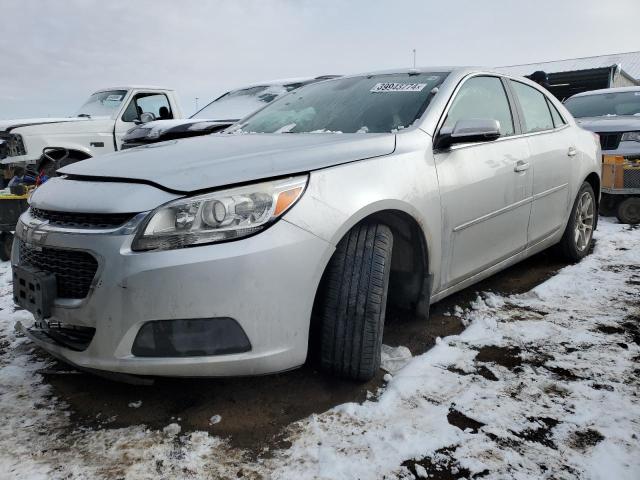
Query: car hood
8,125
613,123
187,127
223,159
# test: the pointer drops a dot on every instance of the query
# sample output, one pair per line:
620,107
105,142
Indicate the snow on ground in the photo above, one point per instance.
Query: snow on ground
540,385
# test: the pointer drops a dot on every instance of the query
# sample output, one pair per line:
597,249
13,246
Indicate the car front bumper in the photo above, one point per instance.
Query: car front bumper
266,283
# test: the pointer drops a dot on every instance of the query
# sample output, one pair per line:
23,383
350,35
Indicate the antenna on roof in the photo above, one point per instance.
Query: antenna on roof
196,104
414,58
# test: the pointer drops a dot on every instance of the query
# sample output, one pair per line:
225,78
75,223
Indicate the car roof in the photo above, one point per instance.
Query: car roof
285,81
602,91
460,71
133,87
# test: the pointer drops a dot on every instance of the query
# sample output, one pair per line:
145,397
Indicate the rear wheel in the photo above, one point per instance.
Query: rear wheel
354,299
578,236
629,211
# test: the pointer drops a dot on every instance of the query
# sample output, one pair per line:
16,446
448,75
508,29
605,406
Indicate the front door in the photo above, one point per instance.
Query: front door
485,188
156,103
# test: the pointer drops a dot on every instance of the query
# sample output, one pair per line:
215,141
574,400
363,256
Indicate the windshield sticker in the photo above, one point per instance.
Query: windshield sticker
113,98
398,87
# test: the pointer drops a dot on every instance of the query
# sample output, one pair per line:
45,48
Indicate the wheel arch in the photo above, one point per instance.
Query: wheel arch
593,179
75,152
410,280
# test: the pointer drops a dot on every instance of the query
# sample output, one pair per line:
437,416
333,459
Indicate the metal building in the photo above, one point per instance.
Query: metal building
571,76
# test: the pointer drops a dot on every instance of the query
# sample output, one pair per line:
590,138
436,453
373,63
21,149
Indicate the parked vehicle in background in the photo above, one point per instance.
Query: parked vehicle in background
96,129
614,114
217,115
295,227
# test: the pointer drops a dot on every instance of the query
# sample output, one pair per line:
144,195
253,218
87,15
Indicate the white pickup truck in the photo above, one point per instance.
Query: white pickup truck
97,128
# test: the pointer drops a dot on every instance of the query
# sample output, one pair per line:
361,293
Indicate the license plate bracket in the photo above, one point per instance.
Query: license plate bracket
34,290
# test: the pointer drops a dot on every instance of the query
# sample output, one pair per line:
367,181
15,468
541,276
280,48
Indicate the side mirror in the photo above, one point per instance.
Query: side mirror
147,117
468,131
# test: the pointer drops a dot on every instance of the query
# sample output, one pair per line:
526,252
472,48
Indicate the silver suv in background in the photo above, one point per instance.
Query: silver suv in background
297,226
614,114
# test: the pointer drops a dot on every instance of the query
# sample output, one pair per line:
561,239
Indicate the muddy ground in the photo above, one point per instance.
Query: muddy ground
255,410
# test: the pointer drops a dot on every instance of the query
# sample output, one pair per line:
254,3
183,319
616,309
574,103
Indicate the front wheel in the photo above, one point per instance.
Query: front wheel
629,211
353,305
578,236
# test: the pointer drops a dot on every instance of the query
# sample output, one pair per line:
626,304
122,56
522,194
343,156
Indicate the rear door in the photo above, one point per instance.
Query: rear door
552,148
485,188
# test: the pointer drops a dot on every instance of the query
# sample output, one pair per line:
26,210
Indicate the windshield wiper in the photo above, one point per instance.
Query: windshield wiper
84,115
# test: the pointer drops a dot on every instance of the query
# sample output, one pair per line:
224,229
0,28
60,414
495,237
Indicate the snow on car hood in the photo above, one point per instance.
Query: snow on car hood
611,123
6,125
222,159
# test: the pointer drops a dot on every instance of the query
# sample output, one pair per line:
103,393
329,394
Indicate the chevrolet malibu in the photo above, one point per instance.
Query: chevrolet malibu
286,237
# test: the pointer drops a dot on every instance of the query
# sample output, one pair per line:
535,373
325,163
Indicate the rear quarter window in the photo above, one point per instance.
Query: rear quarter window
558,120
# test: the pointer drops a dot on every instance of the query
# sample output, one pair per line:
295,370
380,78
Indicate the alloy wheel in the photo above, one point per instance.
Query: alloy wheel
584,221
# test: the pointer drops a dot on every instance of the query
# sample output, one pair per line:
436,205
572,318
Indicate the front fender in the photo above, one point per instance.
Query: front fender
71,147
338,198
35,144
78,135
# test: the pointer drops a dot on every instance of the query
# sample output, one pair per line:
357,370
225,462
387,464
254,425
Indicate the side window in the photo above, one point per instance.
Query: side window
558,121
535,109
156,103
482,97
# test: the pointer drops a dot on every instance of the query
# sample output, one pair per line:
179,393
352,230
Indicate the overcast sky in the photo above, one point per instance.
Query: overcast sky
54,54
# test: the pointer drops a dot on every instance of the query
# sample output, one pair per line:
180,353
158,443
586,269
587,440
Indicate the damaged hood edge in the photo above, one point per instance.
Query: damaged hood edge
217,160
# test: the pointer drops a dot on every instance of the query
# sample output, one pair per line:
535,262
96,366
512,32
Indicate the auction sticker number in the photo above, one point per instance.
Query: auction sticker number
397,87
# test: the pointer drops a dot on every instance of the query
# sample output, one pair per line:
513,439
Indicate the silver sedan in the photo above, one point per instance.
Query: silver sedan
239,253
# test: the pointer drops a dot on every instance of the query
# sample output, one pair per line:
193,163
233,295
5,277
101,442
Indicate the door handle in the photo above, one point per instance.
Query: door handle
521,166
572,152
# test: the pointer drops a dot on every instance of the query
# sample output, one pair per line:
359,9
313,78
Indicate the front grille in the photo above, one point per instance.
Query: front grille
609,141
11,145
70,336
82,220
74,269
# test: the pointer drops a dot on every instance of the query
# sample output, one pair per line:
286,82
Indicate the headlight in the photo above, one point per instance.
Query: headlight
630,137
13,145
218,216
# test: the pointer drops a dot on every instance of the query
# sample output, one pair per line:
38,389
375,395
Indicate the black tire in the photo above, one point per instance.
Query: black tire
629,211
569,246
6,242
352,308
608,205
